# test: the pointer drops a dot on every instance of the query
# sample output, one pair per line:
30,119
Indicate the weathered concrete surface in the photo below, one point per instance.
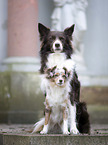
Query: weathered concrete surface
95,95
98,114
18,135
21,99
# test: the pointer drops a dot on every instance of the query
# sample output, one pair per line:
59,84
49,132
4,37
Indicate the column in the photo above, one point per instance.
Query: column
22,28
22,36
3,30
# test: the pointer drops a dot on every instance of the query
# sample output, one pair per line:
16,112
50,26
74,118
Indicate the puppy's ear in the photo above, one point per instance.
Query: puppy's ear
65,69
67,73
47,71
53,69
43,30
69,31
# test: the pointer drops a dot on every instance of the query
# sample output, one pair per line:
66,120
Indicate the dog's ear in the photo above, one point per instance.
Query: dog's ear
67,73
43,30
49,73
69,31
53,69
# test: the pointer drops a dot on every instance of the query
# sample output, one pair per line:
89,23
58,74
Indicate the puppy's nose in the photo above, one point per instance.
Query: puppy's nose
57,45
60,81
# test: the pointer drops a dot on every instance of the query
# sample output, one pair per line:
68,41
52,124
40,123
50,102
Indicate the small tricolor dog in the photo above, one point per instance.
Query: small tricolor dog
60,84
57,102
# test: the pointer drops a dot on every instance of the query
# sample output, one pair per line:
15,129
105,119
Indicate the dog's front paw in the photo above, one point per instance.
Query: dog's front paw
45,130
74,131
66,132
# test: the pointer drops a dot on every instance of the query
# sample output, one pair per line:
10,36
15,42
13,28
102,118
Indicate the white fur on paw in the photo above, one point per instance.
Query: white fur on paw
66,132
43,132
74,131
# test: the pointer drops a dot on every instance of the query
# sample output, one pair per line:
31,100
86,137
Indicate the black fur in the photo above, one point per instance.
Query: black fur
82,117
83,123
47,37
75,88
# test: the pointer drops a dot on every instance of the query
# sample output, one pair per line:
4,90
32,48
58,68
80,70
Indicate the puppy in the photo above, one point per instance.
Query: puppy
56,101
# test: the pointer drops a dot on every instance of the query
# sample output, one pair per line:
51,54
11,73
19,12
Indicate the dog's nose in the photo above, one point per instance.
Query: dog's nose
60,81
57,45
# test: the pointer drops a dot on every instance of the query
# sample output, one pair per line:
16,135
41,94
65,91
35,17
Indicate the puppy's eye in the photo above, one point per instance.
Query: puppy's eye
63,76
56,75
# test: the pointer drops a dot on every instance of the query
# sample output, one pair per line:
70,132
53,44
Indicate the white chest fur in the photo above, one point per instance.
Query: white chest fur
56,59
56,95
60,60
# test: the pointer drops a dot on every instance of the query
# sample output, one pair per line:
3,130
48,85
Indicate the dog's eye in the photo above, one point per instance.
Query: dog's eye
63,76
52,37
56,75
61,38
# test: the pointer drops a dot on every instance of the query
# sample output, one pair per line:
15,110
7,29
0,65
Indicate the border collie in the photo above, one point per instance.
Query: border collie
56,49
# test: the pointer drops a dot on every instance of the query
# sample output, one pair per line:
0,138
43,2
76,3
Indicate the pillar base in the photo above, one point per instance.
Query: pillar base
23,64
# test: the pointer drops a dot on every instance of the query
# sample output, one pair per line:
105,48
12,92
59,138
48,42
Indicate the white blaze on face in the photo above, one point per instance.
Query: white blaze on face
57,46
60,80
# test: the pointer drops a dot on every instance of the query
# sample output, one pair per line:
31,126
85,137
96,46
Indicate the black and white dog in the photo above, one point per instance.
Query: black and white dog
57,50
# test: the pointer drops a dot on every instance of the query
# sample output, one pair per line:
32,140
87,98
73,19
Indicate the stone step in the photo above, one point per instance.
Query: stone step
17,135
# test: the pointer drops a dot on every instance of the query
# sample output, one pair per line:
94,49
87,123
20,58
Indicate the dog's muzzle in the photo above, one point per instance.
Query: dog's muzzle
60,83
57,46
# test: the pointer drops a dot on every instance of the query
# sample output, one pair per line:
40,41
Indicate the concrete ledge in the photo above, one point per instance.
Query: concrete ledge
17,135
53,140
18,64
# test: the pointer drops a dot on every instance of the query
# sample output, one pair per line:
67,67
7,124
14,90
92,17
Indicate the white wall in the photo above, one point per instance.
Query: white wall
45,11
96,37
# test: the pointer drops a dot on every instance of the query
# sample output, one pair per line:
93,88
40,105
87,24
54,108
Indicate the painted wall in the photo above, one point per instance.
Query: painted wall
45,10
96,39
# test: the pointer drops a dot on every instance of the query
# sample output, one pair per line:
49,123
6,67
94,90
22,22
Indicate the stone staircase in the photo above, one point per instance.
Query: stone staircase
19,135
